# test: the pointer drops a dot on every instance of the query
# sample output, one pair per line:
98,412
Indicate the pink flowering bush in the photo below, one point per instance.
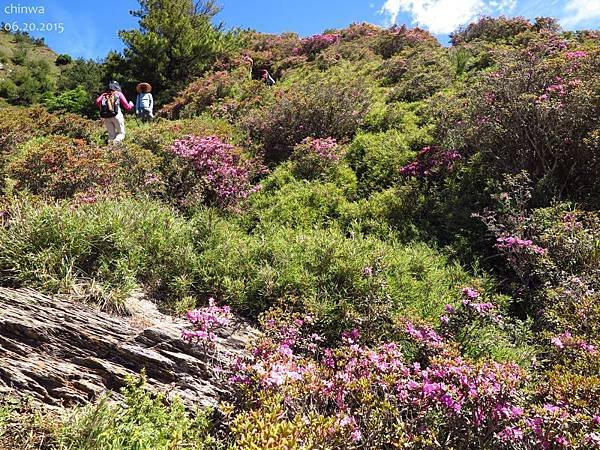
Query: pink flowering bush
491,29
396,39
315,157
374,397
206,322
312,45
211,90
360,30
431,163
535,112
554,278
58,167
317,108
221,176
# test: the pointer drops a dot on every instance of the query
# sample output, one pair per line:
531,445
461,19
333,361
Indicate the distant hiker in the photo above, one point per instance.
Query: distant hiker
266,77
110,103
144,103
248,60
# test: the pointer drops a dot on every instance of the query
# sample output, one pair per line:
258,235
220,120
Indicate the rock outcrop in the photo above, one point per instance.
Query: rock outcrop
64,353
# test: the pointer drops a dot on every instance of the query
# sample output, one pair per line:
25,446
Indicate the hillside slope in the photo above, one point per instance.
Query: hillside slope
28,68
415,230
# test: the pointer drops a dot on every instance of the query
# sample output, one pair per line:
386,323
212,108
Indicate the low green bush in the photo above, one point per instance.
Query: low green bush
391,212
341,280
296,204
141,420
77,101
377,158
144,421
101,251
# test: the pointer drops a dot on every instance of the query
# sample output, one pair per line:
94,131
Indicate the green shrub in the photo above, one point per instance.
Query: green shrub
317,108
81,72
77,101
145,421
32,80
59,167
411,119
101,251
295,204
8,89
19,55
63,60
392,212
377,158
340,280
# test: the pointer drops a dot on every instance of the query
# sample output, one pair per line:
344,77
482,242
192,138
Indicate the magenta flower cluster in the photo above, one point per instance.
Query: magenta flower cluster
314,44
326,149
430,162
567,340
218,165
446,399
205,322
512,243
482,400
576,55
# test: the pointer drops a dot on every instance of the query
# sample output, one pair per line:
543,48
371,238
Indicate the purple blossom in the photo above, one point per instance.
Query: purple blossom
515,243
314,44
206,321
218,165
470,293
430,162
576,54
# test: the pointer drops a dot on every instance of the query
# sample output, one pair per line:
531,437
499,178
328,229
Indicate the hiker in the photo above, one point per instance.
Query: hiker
110,103
248,60
266,77
144,103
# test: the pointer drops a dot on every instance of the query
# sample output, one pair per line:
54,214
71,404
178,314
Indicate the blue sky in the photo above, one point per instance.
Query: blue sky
90,26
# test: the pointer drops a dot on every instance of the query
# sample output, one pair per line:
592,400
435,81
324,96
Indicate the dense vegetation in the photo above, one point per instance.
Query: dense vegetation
415,229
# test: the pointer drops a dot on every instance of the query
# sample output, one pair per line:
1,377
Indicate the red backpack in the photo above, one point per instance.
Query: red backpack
109,106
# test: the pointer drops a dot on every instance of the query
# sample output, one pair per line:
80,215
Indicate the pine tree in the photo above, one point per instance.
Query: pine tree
176,41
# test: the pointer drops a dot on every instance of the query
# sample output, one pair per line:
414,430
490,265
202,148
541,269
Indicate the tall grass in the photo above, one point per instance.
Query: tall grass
103,250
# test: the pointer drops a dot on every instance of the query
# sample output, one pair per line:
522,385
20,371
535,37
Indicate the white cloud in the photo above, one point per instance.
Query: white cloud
580,11
445,16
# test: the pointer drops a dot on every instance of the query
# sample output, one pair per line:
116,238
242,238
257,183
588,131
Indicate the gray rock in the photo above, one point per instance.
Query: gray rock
63,353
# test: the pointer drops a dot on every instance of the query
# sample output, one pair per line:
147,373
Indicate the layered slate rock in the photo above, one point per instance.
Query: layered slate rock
64,353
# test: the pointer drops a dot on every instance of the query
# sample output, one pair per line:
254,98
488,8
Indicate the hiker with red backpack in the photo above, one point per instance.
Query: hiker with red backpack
110,104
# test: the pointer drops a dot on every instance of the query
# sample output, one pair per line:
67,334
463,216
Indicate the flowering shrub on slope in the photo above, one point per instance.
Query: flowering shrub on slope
373,397
314,44
536,112
431,162
313,157
206,322
320,108
224,178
